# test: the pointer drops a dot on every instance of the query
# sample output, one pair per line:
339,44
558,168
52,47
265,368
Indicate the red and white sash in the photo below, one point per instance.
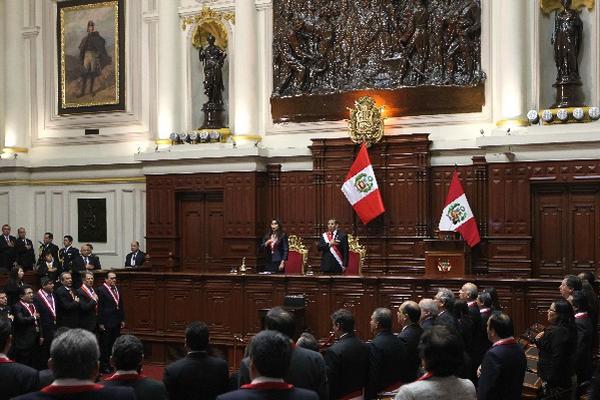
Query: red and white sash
26,306
268,386
115,295
89,294
51,305
506,341
425,376
582,315
356,395
5,360
329,238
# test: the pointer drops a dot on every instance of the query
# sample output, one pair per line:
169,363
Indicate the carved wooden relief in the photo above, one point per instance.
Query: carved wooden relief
328,47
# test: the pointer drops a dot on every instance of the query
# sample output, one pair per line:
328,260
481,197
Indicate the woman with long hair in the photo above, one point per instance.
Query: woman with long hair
556,346
275,244
15,281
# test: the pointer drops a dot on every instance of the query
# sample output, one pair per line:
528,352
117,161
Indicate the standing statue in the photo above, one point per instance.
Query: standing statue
213,58
567,38
568,30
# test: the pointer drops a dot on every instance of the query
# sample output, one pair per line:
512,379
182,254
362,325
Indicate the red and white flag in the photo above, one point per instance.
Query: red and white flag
361,190
457,215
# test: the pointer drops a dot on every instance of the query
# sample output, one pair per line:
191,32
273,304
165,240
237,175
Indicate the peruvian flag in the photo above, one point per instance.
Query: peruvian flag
361,190
457,215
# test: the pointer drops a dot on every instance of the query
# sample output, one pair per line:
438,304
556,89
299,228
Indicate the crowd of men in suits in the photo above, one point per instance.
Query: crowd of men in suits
449,347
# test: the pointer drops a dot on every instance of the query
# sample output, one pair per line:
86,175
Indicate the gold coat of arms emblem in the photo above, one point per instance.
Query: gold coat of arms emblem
366,121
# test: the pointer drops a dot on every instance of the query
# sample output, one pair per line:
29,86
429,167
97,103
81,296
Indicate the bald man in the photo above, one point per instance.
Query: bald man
409,315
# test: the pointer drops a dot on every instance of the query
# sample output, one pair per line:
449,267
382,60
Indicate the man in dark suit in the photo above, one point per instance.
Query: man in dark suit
26,329
67,303
67,254
409,315
24,250
585,331
503,367
429,312
197,375
127,356
15,378
347,360
88,303
83,262
469,292
45,303
75,380
8,254
445,301
48,247
111,318
49,267
136,258
307,368
334,245
5,310
270,354
388,356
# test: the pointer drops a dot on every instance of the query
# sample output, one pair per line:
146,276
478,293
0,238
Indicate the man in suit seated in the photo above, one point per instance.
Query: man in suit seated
347,360
127,356
409,315
307,368
503,367
136,258
15,378
429,312
197,375
388,357
270,354
75,380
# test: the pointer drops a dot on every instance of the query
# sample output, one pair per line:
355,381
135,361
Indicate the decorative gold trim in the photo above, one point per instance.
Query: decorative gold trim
514,122
548,6
63,69
356,247
366,123
248,138
162,141
76,181
571,120
295,244
213,27
207,13
12,150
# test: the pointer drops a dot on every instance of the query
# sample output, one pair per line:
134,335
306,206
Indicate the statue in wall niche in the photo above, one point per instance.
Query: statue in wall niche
568,31
213,58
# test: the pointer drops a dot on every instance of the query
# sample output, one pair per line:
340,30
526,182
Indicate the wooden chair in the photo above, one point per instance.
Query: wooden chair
297,256
356,256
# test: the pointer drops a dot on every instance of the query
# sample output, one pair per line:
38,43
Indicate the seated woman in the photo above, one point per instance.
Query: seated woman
442,355
556,346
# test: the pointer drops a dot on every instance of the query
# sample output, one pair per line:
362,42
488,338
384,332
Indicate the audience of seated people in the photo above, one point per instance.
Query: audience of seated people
441,342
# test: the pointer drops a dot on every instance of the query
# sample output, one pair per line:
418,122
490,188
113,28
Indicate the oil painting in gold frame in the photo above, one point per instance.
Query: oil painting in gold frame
91,56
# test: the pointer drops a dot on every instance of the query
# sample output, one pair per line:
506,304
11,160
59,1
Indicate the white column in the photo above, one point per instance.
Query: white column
169,71
2,57
245,69
15,109
510,36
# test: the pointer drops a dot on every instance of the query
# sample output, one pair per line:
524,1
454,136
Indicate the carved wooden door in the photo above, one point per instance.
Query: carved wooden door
566,230
201,231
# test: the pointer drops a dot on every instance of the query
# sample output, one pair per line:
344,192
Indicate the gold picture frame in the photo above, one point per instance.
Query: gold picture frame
91,56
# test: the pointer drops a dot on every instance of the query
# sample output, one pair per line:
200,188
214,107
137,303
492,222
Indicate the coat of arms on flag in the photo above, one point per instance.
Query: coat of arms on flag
457,215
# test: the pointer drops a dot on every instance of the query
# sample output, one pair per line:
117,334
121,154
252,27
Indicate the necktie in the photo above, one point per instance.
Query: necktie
133,259
86,260
31,309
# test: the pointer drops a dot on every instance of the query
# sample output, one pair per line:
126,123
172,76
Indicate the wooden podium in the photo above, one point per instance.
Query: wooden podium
447,257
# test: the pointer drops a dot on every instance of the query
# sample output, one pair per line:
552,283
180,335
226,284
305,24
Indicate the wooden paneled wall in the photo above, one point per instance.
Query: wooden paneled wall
537,219
160,305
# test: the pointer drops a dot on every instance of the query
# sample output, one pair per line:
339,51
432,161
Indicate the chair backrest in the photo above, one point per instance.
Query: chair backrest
356,256
297,256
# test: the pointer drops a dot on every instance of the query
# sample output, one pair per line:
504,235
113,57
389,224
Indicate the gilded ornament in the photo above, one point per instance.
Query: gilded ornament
366,122
548,6
206,14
